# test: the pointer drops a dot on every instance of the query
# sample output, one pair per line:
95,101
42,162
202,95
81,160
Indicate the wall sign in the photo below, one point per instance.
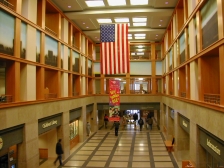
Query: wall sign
48,123
184,123
212,144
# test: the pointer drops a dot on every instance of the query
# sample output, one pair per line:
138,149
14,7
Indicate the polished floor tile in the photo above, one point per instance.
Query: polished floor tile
131,149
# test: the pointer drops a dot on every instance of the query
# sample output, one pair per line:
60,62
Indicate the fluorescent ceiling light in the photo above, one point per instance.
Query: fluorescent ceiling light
129,38
132,53
140,53
139,2
140,46
117,79
95,3
104,20
122,20
143,19
139,35
140,49
139,24
140,78
129,35
116,2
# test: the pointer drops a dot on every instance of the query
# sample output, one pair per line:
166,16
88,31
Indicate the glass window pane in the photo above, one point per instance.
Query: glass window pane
6,33
51,51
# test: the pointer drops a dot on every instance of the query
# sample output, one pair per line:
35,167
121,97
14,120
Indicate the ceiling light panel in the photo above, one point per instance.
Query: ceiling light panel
139,2
139,35
96,3
143,19
104,20
121,20
116,2
139,24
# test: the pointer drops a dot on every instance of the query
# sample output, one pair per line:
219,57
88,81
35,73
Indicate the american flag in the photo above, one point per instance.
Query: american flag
114,49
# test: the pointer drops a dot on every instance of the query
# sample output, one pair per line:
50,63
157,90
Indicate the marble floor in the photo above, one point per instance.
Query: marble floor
132,148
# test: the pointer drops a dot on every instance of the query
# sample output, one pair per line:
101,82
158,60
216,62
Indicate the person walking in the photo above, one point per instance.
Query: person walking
88,128
59,152
135,118
106,119
150,122
141,123
116,126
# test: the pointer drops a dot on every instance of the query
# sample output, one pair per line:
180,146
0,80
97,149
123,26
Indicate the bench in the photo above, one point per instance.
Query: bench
169,145
187,163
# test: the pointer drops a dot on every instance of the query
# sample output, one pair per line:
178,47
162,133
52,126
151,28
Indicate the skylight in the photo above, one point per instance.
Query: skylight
104,20
95,3
139,2
116,2
139,37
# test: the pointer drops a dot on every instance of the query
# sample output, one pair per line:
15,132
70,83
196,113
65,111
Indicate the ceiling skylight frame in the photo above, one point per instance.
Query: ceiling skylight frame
97,3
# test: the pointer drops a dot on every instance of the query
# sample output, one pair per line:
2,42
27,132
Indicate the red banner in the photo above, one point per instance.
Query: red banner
114,100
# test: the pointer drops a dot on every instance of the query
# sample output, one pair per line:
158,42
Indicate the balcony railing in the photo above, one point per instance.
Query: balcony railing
5,98
50,95
183,94
212,98
7,4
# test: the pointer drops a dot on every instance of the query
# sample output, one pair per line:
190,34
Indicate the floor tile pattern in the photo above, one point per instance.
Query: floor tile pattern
132,148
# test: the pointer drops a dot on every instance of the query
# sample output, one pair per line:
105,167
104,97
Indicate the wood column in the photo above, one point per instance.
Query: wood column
221,69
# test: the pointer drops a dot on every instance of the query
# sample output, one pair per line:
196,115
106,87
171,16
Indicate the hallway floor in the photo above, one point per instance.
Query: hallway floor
132,148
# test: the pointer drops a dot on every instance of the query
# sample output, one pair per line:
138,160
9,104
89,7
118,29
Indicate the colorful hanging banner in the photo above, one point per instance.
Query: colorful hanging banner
114,100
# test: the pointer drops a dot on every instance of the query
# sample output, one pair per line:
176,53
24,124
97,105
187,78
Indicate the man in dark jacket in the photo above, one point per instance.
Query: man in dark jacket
141,123
59,152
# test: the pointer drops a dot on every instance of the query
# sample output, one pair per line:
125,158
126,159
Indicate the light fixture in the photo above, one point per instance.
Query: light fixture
116,2
95,3
141,19
87,27
83,23
139,2
159,25
161,20
139,35
140,78
140,46
132,53
129,38
166,2
69,6
139,24
140,53
157,35
104,20
121,20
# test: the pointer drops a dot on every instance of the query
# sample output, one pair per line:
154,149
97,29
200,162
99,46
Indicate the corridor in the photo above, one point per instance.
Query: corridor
132,148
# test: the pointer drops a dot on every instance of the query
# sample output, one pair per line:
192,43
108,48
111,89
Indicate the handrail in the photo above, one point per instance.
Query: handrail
50,95
212,98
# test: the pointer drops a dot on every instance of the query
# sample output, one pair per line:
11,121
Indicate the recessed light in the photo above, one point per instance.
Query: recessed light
166,2
83,23
69,6
157,35
87,27
159,25
161,20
